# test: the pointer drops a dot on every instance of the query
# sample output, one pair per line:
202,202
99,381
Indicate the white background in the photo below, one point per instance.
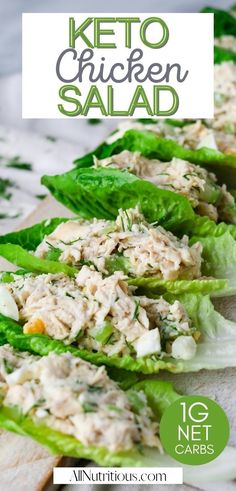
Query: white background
190,44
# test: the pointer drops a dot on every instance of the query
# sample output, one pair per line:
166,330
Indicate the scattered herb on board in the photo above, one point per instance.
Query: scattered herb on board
4,185
94,121
41,196
16,163
51,138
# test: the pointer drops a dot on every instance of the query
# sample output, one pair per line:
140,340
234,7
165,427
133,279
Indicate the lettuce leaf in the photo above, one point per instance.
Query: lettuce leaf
153,147
222,54
217,345
42,345
29,238
101,192
159,395
214,287
219,259
22,258
204,227
224,22
216,349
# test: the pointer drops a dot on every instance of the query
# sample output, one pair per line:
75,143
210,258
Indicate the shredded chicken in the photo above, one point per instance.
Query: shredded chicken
77,398
147,250
226,42
100,314
225,98
190,180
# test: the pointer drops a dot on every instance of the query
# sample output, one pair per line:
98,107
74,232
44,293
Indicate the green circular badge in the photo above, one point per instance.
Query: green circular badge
194,430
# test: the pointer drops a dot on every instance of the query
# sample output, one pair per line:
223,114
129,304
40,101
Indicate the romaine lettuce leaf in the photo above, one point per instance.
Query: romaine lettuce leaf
216,349
222,54
214,287
160,395
224,22
29,238
204,227
217,345
101,192
218,286
153,147
22,258
219,259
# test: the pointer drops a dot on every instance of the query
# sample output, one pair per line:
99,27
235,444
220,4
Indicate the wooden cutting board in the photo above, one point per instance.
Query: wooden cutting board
27,466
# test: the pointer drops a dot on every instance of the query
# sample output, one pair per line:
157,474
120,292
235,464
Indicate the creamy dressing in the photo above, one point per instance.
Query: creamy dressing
77,398
100,314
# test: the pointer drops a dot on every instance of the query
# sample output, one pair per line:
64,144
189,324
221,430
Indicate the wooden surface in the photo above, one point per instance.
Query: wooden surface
26,466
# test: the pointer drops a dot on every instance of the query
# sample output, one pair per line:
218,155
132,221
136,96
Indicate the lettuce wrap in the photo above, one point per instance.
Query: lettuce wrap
159,396
216,346
218,254
153,147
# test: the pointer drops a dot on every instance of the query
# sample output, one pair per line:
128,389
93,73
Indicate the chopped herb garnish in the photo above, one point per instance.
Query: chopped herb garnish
53,253
39,402
95,388
69,295
90,407
70,242
7,366
129,221
41,196
112,407
51,138
17,164
4,185
136,310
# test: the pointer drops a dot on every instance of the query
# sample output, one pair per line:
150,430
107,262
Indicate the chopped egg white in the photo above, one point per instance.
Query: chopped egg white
98,313
149,343
184,348
8,305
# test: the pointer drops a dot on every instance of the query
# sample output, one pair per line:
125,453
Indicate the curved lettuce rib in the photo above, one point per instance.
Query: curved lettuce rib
204,227
217,345
222,54
216,349
153,147
101,192
224,22
29,238
219,259
22,258
214,287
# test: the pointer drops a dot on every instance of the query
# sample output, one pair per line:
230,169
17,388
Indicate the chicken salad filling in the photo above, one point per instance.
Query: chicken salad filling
100,314
226,42
190,180
77,398
225,98
146,250
193,135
